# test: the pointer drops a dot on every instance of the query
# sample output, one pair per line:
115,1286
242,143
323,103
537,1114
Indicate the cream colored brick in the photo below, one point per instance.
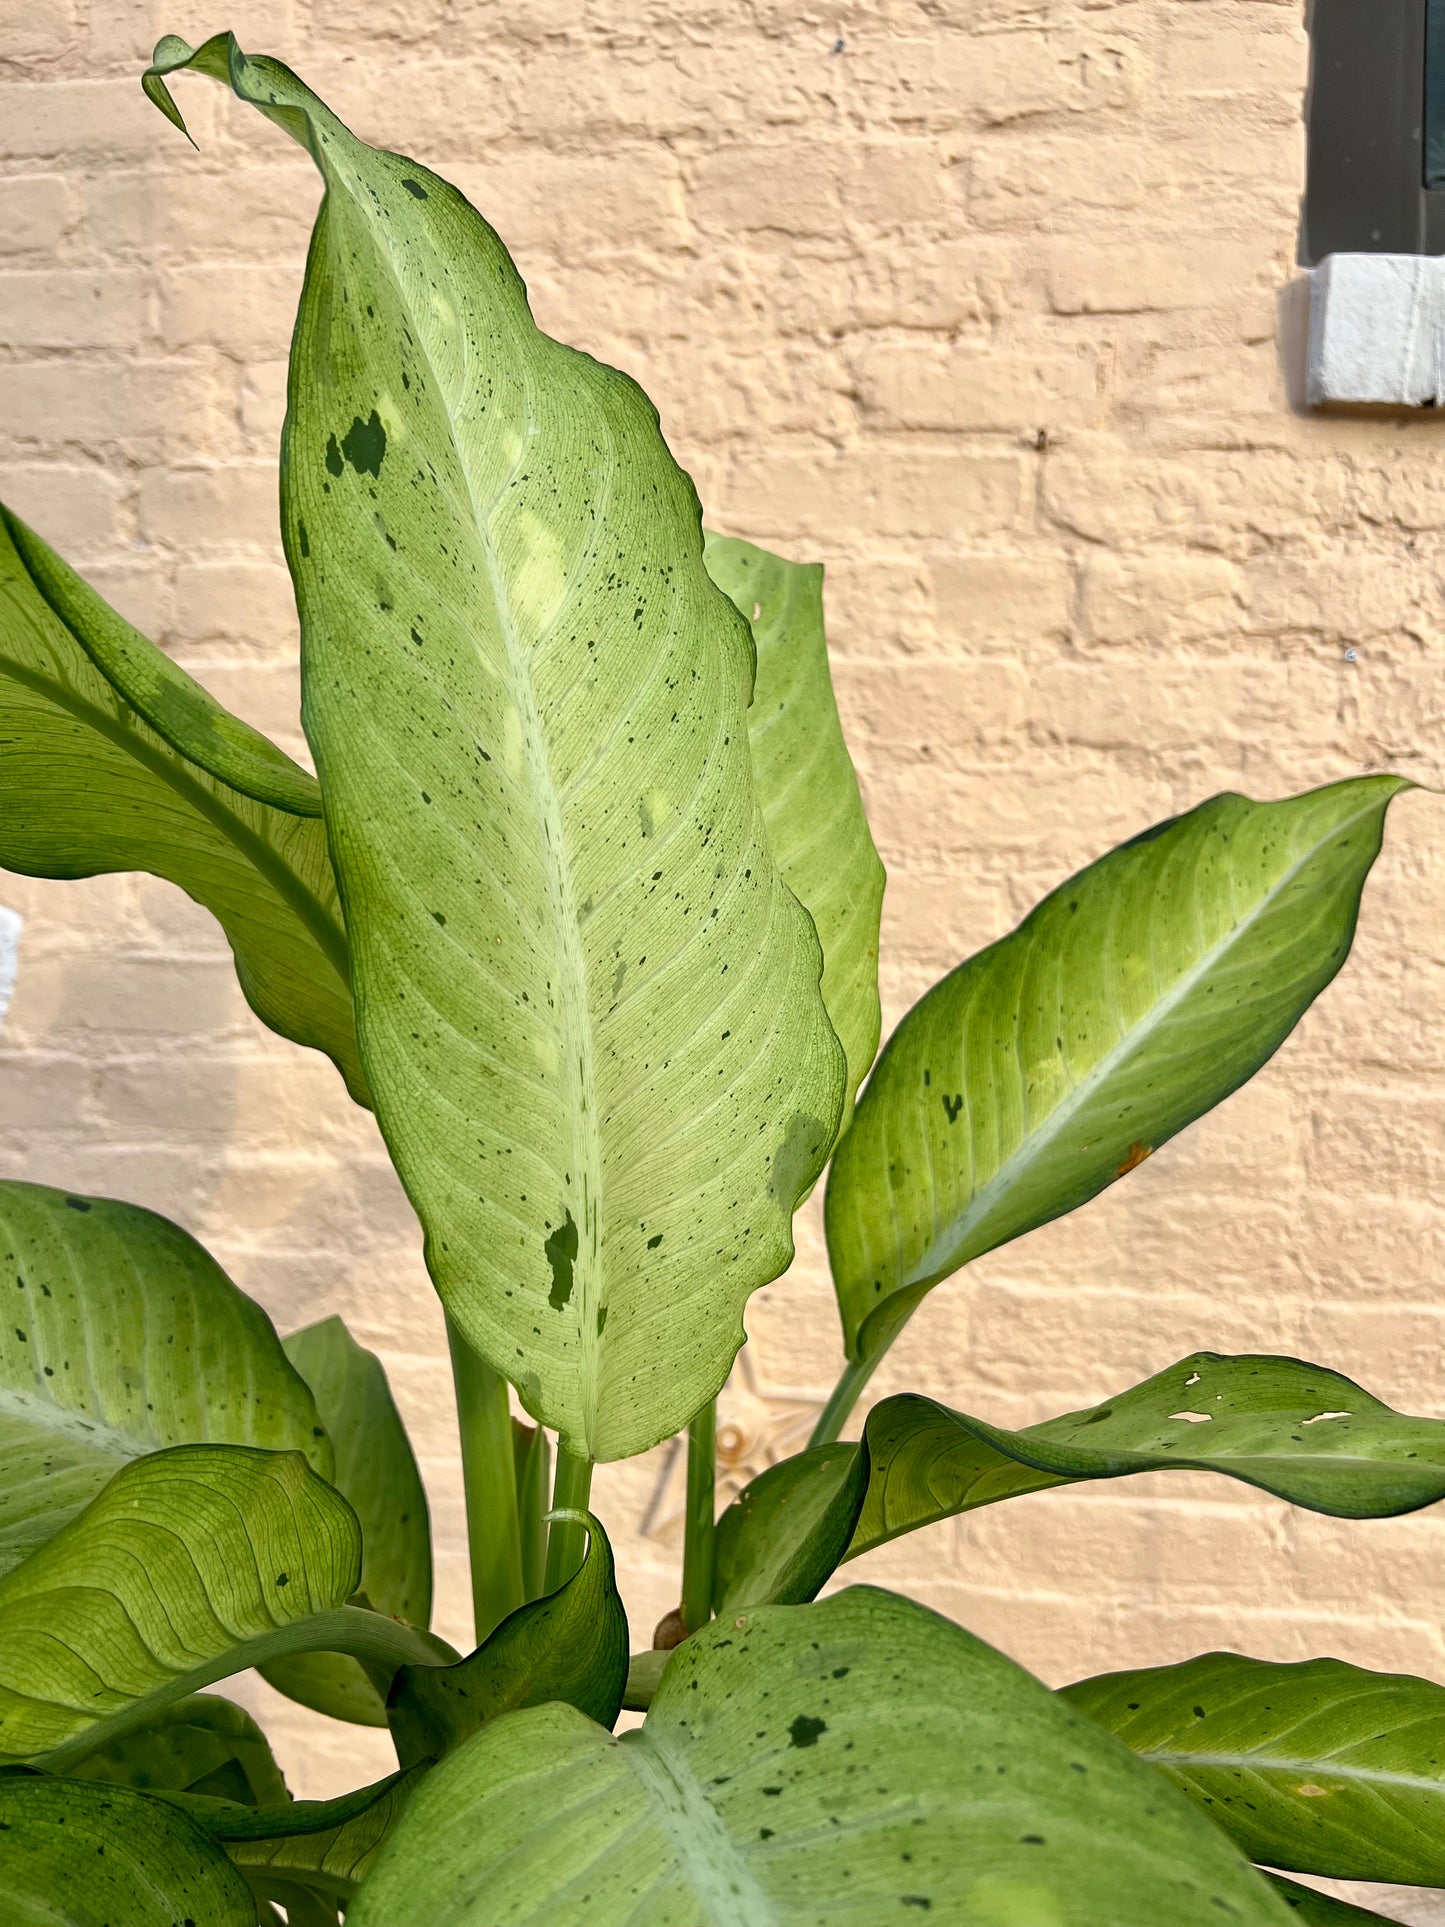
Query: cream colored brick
140,211
248,602
917,385
1134,276
84,118
572,204
819,188
137,409
123,32
242,311
41,32
263,405
927,710
1002,77
1228,49
1022,600
213,507
81,507
1153,599
888,492
37,214
73,309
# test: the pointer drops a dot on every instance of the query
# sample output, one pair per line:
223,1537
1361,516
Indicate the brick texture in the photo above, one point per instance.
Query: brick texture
991,307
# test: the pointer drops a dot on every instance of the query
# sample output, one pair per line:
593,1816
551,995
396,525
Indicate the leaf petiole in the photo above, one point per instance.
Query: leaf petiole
699,1557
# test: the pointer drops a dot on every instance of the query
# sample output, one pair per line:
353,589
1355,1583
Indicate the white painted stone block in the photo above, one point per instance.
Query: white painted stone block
1377,330
10,926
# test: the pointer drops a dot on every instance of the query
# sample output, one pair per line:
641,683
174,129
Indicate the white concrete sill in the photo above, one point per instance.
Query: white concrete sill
1377,330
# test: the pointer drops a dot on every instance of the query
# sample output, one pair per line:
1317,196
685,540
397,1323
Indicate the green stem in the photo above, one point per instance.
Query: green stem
846,1393
532,1488
570,1491
489,1477
700,1543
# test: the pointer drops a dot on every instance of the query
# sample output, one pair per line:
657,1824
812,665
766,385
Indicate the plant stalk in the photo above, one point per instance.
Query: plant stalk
571,1490
846,1393
699,1552
489,1477
533,1482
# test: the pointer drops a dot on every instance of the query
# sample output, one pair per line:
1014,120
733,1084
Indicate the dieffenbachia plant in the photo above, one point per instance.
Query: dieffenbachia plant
582,901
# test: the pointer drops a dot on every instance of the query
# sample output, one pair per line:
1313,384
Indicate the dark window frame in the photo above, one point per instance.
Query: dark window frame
1376,129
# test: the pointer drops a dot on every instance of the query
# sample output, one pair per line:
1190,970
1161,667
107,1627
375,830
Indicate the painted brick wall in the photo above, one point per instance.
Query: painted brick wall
991,306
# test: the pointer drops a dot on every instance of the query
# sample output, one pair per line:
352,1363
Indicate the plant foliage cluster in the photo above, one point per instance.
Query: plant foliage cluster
583,902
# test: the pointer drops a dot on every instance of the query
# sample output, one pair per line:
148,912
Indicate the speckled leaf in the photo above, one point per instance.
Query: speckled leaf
73,1854
1131,1001
88,786
180,1572
1303,1433
754,1794
1310,1908
122,1336
805,781
1319,1768
788,1531
205,1746
589,1005
569,1647
377,1472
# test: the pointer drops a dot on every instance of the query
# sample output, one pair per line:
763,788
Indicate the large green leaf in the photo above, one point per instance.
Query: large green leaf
174,704
1315,1909
377,1472
861,1760
192,1564
1319,1767
123,1336
805,781
570,1647
323,1847
88,785
205,1746
1303,1433
1132,1000
73,1854
588,1003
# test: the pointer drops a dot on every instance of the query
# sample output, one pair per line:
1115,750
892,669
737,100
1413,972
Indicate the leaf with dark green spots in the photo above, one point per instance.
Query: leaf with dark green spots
74,1854
1320,1768
377,1472
205,1746
570,1646
1311,1908
192,1564
1295,1430
1131,1001
120,1336
858,1760
588,1002
804,776
117,760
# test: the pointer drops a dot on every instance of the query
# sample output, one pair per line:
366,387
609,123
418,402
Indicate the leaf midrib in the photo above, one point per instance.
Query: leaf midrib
38,1411
1314,1770
574,998
707,1853
941,1257
324,929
